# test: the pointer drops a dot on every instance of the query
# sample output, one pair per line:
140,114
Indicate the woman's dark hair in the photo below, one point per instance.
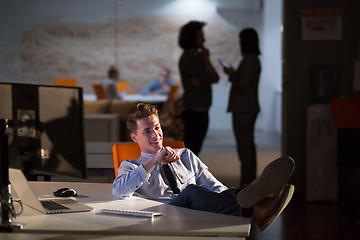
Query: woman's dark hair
188,34
249,41
141,111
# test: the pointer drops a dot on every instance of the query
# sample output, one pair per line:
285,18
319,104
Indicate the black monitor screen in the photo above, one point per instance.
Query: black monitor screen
47,133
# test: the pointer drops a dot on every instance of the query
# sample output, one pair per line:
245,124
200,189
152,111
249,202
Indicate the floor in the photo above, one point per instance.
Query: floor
301,219
219,154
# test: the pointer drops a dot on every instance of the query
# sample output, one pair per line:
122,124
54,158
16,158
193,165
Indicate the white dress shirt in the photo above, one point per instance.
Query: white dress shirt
132,177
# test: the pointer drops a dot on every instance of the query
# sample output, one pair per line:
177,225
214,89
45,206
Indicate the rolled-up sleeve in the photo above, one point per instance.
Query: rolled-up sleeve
130,178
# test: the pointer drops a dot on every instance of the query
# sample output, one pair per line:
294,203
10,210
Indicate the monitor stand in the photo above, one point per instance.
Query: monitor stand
5,191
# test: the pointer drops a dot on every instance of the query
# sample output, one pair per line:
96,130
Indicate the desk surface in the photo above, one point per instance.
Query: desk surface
23,236
135,98
175,222
145,98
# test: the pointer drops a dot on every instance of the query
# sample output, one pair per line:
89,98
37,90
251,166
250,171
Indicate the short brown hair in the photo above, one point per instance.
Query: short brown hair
142,110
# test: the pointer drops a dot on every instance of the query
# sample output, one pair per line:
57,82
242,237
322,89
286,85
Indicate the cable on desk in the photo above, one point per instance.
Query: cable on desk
9,206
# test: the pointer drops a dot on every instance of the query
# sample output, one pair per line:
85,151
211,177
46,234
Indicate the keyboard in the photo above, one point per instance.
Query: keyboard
135,213
51,205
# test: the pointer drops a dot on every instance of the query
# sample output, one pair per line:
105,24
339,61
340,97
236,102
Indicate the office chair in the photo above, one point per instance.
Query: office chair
123,86
99,90
125,151
173,90
68,82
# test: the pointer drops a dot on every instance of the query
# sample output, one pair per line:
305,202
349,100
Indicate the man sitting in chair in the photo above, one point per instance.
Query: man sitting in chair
180,178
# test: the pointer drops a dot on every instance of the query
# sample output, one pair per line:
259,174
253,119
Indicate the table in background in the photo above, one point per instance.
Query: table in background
135,98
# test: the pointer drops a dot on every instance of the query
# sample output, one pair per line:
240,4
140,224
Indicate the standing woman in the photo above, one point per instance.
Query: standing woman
244,103
197,75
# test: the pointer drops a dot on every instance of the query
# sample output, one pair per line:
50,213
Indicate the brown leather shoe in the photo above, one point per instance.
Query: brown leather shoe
274,177
268,209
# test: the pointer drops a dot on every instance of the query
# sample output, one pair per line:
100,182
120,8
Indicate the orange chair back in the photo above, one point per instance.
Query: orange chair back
121,86
125,151
173,90
68,82
99,90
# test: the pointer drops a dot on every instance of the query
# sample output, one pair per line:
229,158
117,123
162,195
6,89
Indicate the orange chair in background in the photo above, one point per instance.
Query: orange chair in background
125,151
123,86
99,90
173,90
68,82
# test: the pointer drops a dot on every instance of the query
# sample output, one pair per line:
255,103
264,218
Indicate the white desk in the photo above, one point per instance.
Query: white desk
145,98
176,221
134,98
24,236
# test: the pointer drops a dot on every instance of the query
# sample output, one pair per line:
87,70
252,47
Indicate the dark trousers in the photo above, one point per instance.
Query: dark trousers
199,198
196,125
243,126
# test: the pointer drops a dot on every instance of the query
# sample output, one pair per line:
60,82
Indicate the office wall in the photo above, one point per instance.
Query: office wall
300,54
82,39
45,39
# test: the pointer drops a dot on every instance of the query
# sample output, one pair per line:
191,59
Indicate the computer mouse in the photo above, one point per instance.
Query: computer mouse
65,192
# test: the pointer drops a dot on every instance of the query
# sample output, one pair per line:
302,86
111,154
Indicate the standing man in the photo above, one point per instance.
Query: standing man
197,75
244,103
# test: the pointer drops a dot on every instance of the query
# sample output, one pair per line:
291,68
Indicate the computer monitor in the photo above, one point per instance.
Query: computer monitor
47,133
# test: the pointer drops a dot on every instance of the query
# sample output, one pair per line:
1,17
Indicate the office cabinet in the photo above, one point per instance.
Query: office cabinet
321,160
